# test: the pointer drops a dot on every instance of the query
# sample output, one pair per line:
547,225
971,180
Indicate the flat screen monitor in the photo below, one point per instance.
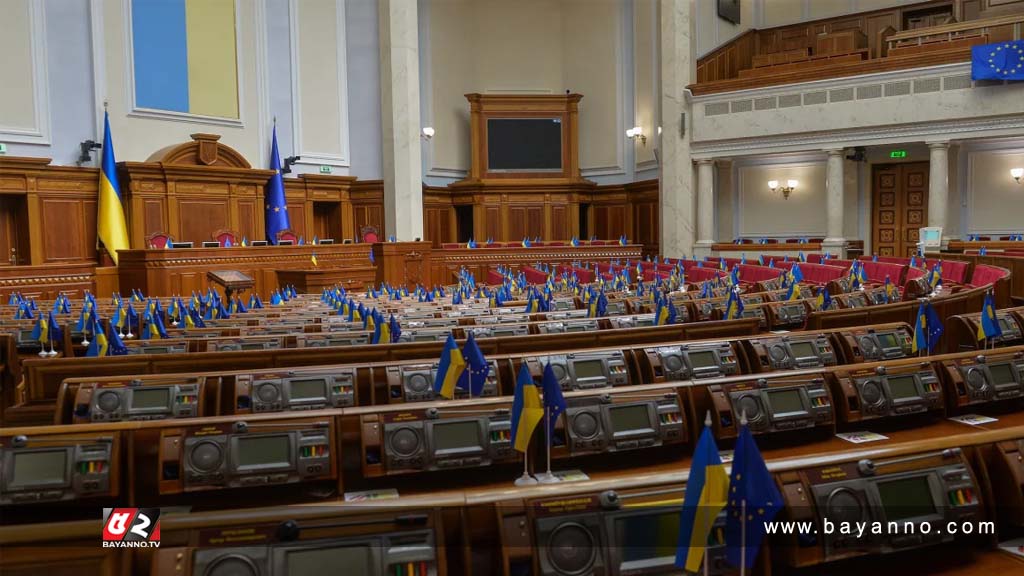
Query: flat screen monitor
524,144
347,559
211,244
309,388
258,243
906,498
259,452
285,242
327,241
803,349
646,537
149,398
903,387
887,340
702,359
1004,324
629,418
456,436
589,369
39,468
255,346
181,244
1002,374
785,401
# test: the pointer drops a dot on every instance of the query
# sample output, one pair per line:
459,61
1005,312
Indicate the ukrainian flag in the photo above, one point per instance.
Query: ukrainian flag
794,292
110,225
312,258
449,369
733,306
989,326
661,316
706,495
527,410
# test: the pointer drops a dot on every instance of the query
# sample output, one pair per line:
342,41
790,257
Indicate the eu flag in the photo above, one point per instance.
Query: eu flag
754,499
927,330
477,368
1000,61
276,208
554,402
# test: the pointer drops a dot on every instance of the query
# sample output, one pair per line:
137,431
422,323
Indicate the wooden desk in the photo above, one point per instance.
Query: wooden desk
446,263
182,270
732,250
312,280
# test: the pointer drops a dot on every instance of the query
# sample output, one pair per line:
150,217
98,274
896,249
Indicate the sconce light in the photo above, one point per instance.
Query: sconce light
427,133
1017,174
85,151
786,190
659,130
290,161
637,132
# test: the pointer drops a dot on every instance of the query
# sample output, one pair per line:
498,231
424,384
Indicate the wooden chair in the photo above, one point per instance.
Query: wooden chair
287,235
158,240
225,237
369,234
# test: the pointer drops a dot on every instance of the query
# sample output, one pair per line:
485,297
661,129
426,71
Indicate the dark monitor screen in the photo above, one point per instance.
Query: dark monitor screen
524,144
785,401
347,559
39,468
309,388
803,349
702,359
1004,324
25,335
887,340
648,536
254,346
264,451
151,398
285,242
456,435
181,244
1002,373
576,327
424,337
588,369
629,418
906,498
155,350
903,387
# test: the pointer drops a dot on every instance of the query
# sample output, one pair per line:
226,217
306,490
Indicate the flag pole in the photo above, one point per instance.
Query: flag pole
526,479
707,513
548,477
743,537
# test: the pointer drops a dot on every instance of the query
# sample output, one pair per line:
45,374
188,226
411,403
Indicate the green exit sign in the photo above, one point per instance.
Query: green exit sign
325,169
898,154
3,148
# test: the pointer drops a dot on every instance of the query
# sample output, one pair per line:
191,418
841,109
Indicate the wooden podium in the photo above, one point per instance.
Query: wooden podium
311,281
232,281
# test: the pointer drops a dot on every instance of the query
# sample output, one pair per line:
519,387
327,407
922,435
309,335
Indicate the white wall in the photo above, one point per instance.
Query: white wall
761,212
995,203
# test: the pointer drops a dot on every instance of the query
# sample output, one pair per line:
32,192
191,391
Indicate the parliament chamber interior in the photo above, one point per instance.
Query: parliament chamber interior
531,288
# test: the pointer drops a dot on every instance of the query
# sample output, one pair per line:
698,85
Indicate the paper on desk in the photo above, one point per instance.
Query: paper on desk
861,437
369,495
974,419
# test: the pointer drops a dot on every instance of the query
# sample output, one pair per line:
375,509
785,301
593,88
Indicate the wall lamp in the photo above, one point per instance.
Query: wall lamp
1017,174
427,133
635,133
786,190
85,151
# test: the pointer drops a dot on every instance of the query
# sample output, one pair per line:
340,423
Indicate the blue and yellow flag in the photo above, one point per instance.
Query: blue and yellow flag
927,330
312,258
733,306
706,495
449,369
527,410
989,326
794,292
110,225
891,294
824,299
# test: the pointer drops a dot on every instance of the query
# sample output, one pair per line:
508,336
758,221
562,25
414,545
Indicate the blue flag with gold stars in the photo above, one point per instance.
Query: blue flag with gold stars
1000,61
276,209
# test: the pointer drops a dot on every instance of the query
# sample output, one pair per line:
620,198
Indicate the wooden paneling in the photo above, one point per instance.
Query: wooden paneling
559,222
900,207
64,229
199,219
248,213
13,230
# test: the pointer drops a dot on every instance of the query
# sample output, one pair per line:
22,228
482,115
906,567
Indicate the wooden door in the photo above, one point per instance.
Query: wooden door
900,207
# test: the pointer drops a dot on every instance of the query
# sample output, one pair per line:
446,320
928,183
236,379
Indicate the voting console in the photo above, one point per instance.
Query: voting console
114,401
59,467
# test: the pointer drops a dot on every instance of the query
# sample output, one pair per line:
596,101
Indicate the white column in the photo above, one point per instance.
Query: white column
705,207
678,69
938,184
400,119
834,240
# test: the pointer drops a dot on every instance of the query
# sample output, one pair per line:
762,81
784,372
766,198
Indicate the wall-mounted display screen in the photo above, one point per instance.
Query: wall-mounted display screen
524,144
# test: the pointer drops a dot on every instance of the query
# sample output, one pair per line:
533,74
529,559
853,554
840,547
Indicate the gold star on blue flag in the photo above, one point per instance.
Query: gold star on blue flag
1000,61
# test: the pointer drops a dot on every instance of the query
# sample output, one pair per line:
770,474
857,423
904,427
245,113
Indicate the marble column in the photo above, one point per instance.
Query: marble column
834,199
400,119
938,184
678,69
705,207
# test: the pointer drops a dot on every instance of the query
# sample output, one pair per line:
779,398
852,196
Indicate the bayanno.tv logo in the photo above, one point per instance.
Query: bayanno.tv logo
131,527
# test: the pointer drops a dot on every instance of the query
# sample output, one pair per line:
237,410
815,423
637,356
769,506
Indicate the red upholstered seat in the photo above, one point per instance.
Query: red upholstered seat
225,237
494,277
914,273
754,273
556,244
984,274
820,273
369,234
878,271
450,245
287,235
701,274
158,240
534,276
952,270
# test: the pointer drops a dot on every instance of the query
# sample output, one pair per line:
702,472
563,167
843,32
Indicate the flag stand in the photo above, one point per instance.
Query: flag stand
526,479
548,477
743,537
